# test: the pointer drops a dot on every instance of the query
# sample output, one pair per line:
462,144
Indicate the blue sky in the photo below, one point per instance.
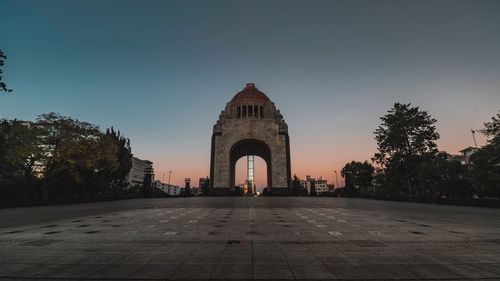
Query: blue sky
161,71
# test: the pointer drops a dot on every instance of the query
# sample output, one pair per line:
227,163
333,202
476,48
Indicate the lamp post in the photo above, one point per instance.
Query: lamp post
336,179
474,137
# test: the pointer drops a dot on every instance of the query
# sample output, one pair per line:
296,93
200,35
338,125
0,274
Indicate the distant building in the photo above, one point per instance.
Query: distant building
307,183
195,191
173,190
467,153
138,171
453,157
187,187
321,186
204,184
169,189
463,157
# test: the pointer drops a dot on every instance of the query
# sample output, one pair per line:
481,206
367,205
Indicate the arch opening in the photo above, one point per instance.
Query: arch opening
250,176
249,147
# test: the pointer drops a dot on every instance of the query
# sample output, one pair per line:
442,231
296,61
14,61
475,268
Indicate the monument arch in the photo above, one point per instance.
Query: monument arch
250,124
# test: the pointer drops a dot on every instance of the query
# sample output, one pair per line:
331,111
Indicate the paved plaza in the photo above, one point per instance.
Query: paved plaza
250,238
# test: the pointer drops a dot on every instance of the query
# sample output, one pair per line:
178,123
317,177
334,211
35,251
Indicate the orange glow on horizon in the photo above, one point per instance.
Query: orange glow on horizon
320,162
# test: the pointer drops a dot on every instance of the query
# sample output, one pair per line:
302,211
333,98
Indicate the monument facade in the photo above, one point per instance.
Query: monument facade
250,124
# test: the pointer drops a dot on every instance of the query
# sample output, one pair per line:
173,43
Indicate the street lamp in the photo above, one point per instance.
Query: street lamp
474,137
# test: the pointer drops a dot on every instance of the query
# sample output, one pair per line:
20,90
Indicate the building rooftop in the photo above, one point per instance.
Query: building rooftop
470,148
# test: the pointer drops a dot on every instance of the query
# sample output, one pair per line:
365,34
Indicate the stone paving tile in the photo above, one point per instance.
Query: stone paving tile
136,259
295,249
193,272
213,249
490,267
36,271
114,271
154,272
314,272
235,260
232,272
431,271
264,259
202,260
95,259
170,259
346,272
395,271
73,271
470,271
272,272
339,259
10,269
302,260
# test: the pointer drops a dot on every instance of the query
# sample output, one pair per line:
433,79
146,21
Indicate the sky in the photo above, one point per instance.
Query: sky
161,71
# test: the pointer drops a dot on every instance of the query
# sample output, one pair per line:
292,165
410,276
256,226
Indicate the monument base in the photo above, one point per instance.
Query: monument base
225,191
220,191
280,191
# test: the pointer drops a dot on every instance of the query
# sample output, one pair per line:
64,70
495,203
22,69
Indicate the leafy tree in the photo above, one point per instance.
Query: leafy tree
358,177
3,86
405,138
486,161
492,128
81,159
297,189
58,157
124,155
444,177
20,158
486,169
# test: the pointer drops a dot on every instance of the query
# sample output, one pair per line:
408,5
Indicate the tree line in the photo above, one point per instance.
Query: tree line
409,165
60,158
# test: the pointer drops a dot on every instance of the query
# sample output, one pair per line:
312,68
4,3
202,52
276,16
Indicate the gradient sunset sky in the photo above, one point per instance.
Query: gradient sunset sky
161,71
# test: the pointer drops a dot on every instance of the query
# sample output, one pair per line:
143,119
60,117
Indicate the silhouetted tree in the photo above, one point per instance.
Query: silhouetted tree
81,159
440,176
124,156
3,86
486,162
358,177
58,157
405,138
20,160
492,128
296,187
266,191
